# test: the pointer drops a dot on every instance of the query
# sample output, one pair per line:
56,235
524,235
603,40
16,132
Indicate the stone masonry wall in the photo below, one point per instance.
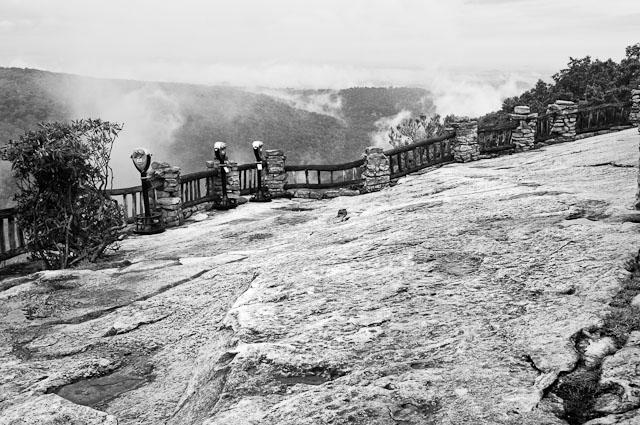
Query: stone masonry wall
233,179
634,116
275,177
165,192
376,174
524,135
465,145
637,203
564,125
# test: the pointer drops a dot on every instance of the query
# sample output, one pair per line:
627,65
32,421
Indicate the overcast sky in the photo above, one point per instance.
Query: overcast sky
315,43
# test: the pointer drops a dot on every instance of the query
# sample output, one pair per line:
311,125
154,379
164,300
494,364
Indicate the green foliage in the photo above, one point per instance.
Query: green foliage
207,114
413,130
587,81
579,390
62,171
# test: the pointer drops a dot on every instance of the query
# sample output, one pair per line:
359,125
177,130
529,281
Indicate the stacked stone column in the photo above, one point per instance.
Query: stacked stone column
563,128
274,177
634,118
524,135
634,115
165,192
637,203
465,146
233,179
376,174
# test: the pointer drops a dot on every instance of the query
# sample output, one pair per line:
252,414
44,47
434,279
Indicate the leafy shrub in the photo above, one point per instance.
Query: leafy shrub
587,81
62,171
412,130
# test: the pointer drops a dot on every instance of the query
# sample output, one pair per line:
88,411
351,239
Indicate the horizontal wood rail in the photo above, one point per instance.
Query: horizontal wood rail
196,188
408,159
496,139
330,176
544,124
130,199
11,238
602,117
248,175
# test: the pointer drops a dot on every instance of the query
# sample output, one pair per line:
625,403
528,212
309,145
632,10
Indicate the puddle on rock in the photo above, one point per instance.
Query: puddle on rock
94,392
294,208
307,380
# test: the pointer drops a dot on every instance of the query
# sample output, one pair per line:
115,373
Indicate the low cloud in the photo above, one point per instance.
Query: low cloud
477,94
380,137
324,103
150,117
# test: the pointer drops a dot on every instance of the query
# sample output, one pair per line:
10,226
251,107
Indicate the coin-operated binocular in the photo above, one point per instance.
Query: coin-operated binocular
220,152
148,222
262,194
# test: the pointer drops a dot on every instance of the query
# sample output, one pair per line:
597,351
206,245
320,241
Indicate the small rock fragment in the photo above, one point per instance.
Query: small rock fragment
343,215
619,372
199,217
597,349
574,213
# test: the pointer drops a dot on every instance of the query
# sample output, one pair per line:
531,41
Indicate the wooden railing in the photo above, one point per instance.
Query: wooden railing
130,199
602,117
348,174
11,238
403,160
196,187
544,124
416,156
248,175
496,139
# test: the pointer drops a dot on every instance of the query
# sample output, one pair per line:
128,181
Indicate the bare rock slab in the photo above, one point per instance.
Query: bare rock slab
51,409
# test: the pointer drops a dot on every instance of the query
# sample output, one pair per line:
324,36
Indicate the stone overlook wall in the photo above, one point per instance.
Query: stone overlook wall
166,196
465,146
275,177
233,179
564,125
634,116
376,172
525,134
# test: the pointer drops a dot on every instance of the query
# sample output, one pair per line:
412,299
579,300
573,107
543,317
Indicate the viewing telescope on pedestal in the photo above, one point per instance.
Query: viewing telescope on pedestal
147,223
220,152
262,194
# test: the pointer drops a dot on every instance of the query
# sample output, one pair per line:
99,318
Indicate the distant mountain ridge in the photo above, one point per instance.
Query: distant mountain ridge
179,122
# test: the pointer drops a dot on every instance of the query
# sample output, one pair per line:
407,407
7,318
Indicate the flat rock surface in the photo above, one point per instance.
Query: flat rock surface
449,298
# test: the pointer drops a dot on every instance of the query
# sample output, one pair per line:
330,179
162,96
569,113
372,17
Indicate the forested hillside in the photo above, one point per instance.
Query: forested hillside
586,81
180,122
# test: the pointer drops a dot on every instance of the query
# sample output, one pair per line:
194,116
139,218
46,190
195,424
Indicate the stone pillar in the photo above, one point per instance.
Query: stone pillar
637,203
233,179
275,177
524,135
376,174
465,146
564,124
634,115
165,194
